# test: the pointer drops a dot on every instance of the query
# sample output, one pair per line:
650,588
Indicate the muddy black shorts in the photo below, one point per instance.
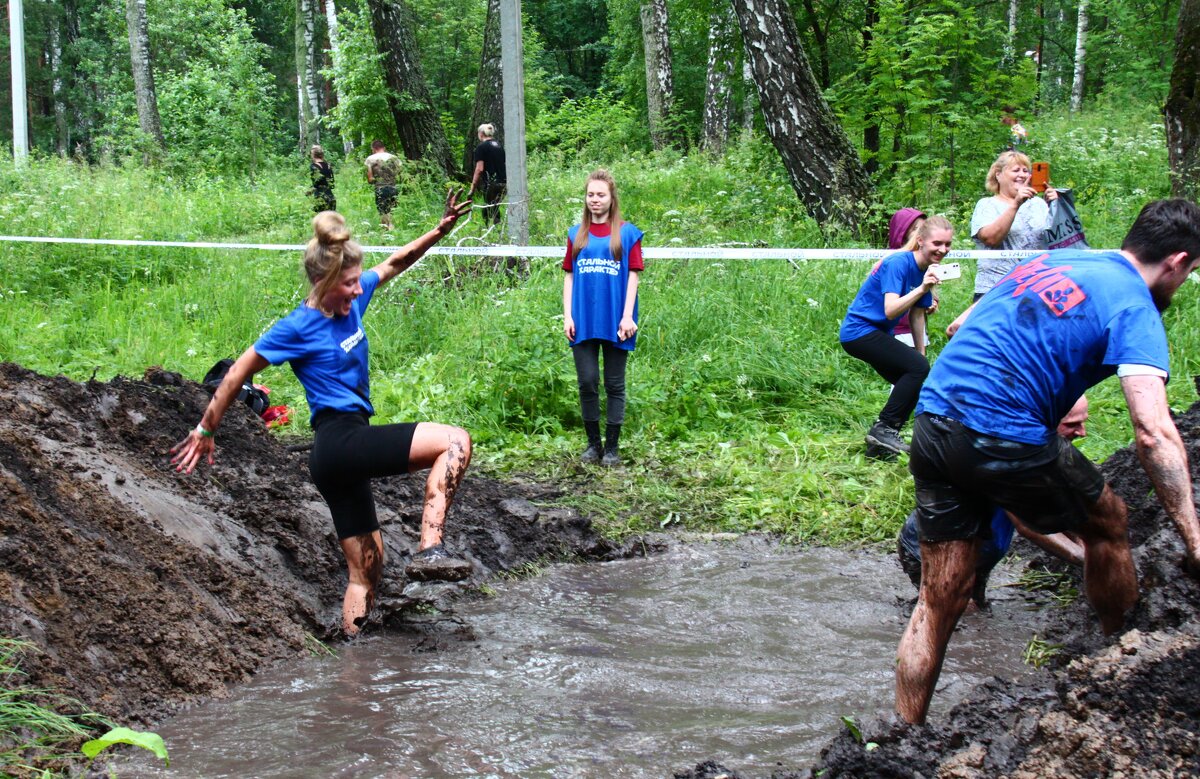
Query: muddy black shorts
347,453
961,475
385,199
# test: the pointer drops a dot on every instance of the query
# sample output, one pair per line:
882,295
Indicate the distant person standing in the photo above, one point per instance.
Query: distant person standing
322,182
383,169
489,176
604,258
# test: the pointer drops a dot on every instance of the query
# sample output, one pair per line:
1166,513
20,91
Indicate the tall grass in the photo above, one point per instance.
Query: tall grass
744,412
34,731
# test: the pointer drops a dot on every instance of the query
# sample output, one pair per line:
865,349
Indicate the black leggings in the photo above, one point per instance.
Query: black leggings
587,370
347,453
903,366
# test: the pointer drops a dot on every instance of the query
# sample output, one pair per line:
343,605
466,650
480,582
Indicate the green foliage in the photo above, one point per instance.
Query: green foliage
148,741
1039,652
363,113
597,125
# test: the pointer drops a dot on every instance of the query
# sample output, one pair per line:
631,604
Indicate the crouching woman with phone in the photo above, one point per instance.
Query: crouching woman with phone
902,283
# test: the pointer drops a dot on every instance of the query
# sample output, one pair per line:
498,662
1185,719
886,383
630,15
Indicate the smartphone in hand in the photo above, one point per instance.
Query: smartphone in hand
948,270
1041,176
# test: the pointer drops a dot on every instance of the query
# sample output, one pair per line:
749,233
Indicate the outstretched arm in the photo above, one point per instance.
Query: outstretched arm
199,443
1164,457
406,256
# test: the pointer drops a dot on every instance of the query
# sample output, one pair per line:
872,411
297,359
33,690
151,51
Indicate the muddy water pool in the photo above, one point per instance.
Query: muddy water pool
745,653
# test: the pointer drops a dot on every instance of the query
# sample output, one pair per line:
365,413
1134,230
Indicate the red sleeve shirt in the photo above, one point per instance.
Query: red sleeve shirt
605,231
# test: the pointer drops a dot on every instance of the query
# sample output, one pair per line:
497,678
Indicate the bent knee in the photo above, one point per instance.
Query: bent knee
460,439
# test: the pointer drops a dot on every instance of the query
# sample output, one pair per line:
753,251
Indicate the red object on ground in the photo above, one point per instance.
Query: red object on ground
277,416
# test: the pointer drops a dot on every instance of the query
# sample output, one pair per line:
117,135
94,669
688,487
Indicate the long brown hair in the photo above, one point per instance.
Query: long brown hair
614,217
329,252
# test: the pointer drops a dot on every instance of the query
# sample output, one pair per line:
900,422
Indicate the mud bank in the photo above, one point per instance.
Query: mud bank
145,589
1121,706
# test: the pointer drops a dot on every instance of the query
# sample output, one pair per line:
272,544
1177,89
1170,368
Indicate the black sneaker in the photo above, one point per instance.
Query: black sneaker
883,437
591,455
436,564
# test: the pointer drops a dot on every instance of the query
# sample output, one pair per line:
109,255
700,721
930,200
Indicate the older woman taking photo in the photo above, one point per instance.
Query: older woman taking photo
324,340
1013,218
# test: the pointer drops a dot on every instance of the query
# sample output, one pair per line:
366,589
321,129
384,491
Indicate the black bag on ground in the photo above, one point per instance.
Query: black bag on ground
252,396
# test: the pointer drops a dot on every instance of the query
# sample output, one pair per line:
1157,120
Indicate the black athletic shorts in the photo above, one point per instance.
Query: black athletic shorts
385,199
961,475
347,453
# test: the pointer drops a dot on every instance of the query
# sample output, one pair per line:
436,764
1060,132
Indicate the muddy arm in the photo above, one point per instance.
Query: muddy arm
406,256
1057,544
1164,457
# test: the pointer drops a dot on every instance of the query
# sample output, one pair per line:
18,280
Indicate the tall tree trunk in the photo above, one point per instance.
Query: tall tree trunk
1081,29
306,76
335,52
61,140
143,78
750,98
823,166
417,123
871,130
718,92
1010,43
660,80
1182,111
489,90
822,41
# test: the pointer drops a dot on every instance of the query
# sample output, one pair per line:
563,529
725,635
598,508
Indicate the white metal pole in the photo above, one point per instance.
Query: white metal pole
512,63
16,35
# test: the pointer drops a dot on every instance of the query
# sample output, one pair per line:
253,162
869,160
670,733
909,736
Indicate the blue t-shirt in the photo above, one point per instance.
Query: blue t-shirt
1057,324
599,284
328,354
991,551
898,273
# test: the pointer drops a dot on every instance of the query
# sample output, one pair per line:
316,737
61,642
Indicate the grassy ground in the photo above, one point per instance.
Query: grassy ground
744,412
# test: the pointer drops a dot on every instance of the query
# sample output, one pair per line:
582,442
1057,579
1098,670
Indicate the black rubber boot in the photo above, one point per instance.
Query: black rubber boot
595,446
612,439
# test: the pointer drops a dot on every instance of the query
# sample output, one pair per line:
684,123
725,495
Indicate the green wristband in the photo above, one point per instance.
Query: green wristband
206,433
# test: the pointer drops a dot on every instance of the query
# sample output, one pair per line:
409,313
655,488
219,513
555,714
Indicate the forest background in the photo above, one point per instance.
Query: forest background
190,120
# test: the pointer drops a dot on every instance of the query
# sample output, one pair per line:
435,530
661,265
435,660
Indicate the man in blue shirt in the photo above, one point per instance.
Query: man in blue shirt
1056,325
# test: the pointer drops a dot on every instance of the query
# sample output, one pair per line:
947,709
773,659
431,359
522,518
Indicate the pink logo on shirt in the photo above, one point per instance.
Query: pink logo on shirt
1052,286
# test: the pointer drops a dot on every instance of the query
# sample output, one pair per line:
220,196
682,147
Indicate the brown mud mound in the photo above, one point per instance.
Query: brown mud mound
145,589
1127,705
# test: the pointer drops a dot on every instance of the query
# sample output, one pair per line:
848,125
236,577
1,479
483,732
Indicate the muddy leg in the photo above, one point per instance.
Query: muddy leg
1109,578
364,556
947,575
446,451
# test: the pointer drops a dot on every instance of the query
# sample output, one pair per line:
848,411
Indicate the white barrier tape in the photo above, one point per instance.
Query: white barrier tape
650,253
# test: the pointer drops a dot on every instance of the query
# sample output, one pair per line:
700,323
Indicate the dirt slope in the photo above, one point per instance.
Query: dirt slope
145,589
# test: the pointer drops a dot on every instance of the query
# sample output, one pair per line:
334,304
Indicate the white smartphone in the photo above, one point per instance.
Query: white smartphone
948,270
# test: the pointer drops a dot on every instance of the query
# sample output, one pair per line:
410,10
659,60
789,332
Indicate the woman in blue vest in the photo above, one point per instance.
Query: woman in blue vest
600,311
324,340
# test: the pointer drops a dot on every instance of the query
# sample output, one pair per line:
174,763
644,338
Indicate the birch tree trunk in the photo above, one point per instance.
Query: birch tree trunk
143,78
1010,43
1182,111
660,81
61,140
823,166
718,92
750,101
1081,29
306,77
417,123
489,90
335,52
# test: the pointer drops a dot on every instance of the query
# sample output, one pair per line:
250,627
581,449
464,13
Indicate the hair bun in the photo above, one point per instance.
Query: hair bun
329,227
